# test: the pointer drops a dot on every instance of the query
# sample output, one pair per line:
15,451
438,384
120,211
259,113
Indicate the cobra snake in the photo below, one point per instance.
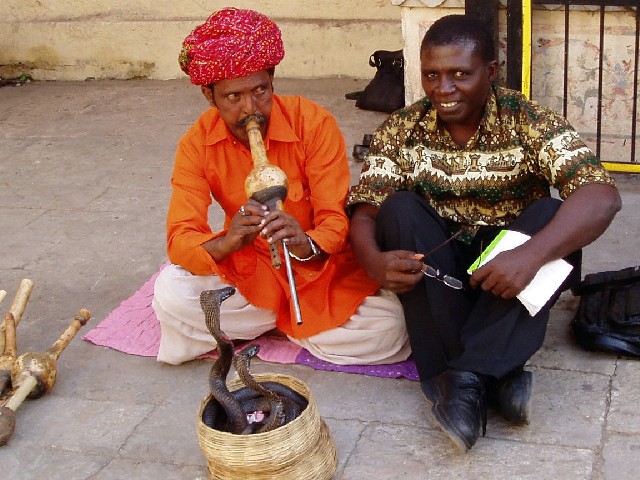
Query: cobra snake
227,410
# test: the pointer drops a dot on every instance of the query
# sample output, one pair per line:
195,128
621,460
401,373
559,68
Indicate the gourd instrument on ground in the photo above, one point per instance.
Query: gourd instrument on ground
268,184
34,373
227,411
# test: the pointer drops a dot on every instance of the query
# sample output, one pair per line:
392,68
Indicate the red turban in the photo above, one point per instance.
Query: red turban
232,43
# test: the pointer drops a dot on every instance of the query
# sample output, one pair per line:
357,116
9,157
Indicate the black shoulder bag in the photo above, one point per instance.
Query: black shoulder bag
608,316
385,92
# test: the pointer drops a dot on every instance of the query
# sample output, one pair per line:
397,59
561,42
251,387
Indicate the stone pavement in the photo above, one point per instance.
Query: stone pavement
84,172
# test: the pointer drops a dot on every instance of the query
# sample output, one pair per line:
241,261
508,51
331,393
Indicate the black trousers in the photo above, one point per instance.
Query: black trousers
466,329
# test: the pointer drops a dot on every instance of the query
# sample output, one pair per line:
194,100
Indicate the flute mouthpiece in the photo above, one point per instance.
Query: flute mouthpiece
252,121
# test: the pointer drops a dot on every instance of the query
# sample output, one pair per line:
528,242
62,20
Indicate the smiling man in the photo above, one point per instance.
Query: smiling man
347,318
443,177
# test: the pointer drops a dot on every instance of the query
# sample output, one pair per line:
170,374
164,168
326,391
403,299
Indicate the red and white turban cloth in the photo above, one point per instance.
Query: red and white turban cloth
232,43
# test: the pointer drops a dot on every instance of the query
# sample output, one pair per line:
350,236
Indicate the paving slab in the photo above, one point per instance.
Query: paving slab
625,397
84,186
392,451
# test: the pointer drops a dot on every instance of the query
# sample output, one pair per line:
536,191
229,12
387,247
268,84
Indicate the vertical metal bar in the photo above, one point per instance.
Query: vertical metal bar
514,44
565,94
526,48
600,77
634,114
487,12
292,284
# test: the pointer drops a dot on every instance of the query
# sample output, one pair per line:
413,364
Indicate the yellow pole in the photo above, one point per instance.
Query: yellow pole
622,167
526,48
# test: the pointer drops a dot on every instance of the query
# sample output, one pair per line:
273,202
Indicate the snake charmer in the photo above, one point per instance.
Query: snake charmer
348,318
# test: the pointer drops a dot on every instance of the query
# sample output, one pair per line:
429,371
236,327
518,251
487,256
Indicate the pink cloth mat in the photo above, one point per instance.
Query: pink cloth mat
134,329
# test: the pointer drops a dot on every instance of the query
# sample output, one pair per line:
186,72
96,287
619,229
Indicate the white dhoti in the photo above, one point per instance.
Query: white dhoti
375,334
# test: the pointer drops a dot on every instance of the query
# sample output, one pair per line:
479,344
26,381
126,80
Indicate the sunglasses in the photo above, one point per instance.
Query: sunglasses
432,272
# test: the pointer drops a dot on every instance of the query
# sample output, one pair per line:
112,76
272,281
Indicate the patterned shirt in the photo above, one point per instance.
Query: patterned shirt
519,151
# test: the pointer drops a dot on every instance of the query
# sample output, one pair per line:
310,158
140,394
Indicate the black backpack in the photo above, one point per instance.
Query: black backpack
608,316
385,92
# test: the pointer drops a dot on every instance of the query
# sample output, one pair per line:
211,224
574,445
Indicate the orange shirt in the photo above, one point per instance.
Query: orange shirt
304,140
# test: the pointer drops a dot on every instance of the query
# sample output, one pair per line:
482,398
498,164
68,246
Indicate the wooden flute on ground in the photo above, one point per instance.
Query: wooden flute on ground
18,306
33,374
268,184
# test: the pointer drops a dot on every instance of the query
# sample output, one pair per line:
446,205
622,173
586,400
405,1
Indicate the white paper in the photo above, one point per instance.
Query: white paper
544,284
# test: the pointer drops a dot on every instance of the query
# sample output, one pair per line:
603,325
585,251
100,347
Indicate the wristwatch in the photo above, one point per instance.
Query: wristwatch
315,251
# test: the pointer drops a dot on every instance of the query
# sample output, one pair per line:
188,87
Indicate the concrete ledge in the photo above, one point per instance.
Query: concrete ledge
75,40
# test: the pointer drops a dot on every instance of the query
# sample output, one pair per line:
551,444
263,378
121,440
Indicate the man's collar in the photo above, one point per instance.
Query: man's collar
219,131
491,119
431,120
279,129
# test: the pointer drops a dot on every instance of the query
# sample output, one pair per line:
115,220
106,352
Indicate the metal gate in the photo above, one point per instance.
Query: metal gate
594,80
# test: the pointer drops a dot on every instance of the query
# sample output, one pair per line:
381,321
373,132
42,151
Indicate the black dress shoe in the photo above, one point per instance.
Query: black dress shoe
511,396
458,405
430,389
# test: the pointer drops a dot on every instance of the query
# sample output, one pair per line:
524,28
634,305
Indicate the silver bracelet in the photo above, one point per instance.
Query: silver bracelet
315,251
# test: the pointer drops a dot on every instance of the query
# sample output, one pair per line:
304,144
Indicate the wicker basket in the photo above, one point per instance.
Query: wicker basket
301,449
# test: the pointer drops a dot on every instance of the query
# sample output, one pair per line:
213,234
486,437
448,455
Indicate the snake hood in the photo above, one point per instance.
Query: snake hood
250,352
218,296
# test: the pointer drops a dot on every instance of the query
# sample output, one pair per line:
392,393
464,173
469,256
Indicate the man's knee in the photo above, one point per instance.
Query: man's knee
177,291
405,216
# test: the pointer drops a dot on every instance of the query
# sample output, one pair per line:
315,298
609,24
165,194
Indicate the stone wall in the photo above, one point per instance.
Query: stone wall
79,39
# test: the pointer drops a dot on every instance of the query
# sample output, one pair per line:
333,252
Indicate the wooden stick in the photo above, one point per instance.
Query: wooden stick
17,307
21,393
3,295
9,356
20,301
7,412
81,318
10,347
